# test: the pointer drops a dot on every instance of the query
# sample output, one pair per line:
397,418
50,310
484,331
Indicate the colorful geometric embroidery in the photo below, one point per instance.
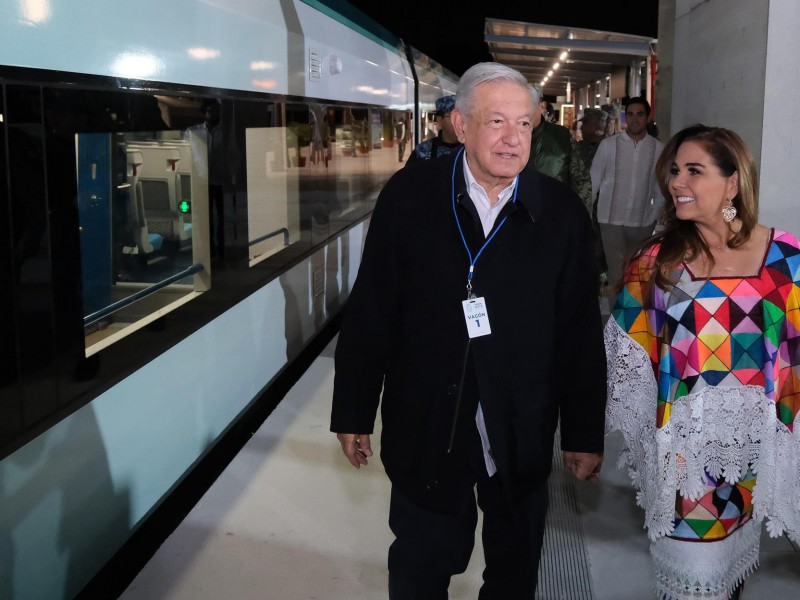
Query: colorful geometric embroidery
720,331
718,513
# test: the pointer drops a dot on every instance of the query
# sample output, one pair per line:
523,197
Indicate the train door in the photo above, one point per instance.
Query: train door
94,211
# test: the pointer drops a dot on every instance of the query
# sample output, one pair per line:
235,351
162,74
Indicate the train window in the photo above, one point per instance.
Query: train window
142,205
120,201
364,146
143,209
316,169
272,190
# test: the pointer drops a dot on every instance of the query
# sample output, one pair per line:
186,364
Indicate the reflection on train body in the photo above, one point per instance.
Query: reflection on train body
151,203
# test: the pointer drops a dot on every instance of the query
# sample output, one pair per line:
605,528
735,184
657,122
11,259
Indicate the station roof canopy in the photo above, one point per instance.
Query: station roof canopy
534,49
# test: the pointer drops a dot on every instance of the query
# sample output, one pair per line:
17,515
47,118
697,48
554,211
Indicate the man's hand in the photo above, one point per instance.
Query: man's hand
584,465
356,447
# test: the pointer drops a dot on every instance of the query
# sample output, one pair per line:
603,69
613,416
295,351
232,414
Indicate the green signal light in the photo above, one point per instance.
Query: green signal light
185,206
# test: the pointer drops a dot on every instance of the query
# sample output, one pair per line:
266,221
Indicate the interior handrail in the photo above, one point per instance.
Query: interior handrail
128,300
262,238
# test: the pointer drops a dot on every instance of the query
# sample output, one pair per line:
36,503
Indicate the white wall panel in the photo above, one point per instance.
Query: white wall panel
780,150
720,53
735,64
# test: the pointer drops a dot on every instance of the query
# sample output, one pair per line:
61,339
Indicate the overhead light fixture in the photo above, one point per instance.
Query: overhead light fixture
563,55
550,73
555,66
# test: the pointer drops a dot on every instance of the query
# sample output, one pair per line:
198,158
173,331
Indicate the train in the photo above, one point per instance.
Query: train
185,188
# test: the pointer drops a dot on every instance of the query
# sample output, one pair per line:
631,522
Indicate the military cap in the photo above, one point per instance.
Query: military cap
445,105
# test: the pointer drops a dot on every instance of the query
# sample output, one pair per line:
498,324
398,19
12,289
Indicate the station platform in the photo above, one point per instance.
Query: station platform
289,518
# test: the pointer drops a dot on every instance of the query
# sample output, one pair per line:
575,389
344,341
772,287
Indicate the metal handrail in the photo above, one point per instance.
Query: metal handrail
282,230
128,300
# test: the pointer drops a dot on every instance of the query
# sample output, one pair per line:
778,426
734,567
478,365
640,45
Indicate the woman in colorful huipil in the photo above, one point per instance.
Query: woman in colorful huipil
704,371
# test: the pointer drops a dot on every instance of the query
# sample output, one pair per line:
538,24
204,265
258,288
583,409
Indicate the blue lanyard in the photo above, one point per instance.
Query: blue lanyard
472,261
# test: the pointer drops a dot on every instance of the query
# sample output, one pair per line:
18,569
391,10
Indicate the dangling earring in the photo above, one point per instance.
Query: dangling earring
728,212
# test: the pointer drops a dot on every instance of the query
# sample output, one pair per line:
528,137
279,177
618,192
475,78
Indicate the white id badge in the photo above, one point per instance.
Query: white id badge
477,317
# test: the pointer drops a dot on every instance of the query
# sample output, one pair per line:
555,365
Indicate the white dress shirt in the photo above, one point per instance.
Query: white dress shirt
623,173
488,215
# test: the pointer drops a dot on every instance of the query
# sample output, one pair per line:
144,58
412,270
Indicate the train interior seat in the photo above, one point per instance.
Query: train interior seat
161,182
146,243
183,185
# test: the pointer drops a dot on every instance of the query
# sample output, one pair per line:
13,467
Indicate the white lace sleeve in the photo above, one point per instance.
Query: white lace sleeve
777,492
724,430
631,410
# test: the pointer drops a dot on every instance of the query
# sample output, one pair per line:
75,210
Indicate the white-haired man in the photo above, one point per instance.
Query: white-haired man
475,316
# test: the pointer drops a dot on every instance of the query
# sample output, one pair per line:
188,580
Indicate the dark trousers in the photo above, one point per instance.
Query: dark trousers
431,547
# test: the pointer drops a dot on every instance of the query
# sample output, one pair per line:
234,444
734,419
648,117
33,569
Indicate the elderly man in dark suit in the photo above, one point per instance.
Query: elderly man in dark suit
475,317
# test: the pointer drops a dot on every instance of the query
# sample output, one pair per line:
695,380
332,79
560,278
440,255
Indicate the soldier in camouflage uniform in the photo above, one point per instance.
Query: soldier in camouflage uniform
592,130
444,143
592,126
551,152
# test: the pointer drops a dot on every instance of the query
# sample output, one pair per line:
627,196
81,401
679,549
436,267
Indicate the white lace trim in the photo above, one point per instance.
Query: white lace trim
705,570
722,429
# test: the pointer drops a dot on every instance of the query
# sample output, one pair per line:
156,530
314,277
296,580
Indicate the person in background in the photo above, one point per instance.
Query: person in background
575,131
400,138
446,142
215,161
592,127
652,129
550,113
475,283
624,183
552,150
611,119
704,373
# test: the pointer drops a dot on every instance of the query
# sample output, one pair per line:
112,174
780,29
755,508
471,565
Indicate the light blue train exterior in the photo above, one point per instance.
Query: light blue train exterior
70,498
